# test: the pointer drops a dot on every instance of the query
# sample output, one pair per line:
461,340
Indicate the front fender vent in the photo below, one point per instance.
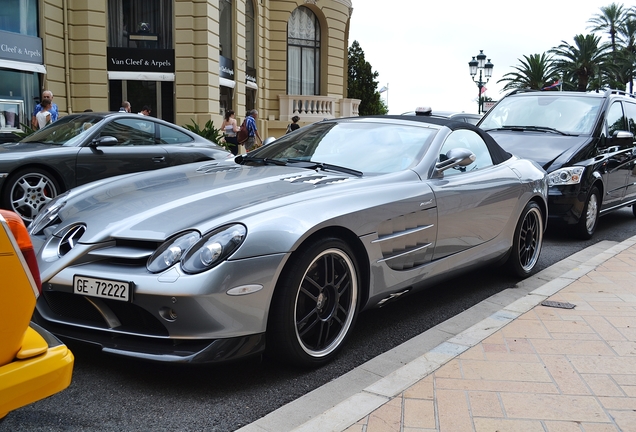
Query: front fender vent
315,179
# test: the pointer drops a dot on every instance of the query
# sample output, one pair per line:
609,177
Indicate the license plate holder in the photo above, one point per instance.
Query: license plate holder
102,288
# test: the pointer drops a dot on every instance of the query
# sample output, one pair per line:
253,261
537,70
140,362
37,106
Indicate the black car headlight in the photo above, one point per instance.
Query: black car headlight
566,176
213,248
48,214
171,251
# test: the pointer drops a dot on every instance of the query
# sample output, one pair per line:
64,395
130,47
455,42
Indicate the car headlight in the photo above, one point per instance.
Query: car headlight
171,251
48,214
213,248
566,176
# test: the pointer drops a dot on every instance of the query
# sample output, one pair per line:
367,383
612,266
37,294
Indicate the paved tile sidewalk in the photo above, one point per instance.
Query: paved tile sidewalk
547,369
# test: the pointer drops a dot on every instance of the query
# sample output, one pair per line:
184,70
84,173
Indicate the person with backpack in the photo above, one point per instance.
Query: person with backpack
248,133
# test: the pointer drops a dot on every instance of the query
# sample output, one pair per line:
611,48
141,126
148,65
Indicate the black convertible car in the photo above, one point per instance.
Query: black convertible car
80,148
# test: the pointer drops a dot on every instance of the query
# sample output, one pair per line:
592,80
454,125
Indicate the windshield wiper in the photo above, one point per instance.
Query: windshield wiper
265,161
325,166
531,128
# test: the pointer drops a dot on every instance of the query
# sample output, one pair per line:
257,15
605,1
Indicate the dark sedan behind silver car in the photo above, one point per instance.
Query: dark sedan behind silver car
81,148
211,261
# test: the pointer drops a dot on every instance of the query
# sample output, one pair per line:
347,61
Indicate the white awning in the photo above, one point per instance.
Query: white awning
140,76
24,66
227,82
251,84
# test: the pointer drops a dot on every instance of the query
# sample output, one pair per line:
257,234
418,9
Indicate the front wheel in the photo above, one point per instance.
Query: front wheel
527,242
29,190
315,304
589,218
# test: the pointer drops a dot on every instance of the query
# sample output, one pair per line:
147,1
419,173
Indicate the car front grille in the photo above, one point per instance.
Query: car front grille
76,309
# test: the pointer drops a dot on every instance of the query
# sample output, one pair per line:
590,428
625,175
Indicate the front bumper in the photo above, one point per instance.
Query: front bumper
566,204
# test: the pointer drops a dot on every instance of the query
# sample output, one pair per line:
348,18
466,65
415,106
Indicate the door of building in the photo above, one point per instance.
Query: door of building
158,95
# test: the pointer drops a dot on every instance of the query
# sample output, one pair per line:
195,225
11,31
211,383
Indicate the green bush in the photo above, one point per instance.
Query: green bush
209,132
25,132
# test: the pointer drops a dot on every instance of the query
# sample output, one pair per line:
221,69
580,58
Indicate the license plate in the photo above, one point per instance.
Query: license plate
102,288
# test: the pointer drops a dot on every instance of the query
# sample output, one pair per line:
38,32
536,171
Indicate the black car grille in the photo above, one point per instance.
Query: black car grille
77,309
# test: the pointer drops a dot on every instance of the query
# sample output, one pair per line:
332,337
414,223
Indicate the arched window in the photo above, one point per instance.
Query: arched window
303,53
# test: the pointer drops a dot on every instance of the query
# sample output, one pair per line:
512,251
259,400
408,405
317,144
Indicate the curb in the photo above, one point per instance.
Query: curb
341,403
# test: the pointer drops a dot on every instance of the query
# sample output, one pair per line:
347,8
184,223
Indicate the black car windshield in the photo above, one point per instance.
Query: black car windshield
567,114
368,147
68,131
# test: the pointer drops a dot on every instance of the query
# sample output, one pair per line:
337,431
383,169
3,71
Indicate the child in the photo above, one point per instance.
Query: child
43,117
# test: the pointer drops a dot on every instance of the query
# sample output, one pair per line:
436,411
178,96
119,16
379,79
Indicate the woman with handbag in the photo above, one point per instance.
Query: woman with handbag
230,129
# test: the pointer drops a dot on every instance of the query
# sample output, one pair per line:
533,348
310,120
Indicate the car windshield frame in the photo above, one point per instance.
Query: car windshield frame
68,131
364,146
562,113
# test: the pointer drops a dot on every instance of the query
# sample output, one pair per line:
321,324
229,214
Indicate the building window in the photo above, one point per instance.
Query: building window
19,16
140,24
225,28
303,53
250,34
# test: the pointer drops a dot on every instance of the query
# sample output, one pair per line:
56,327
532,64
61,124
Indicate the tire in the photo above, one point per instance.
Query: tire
315,304
28,190
589,217
634,209
527,243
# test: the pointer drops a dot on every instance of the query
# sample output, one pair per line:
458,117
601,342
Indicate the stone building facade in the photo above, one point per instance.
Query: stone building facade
188,60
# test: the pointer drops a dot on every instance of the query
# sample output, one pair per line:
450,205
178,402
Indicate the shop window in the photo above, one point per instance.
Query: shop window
140,24
303,53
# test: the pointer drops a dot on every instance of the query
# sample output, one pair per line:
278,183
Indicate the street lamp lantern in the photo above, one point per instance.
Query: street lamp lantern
473,67
479,64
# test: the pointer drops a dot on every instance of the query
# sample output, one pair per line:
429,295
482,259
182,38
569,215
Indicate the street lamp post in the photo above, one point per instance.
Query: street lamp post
478,64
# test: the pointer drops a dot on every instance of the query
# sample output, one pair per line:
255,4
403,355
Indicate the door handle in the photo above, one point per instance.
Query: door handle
159,159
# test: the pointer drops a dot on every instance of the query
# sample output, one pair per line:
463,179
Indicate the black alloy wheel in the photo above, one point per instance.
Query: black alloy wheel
315,304
528,240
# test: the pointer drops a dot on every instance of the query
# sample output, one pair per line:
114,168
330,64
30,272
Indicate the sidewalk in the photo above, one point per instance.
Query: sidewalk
525,367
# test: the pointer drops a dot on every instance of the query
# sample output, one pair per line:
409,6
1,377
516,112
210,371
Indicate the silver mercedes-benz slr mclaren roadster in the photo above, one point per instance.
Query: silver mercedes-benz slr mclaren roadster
279,250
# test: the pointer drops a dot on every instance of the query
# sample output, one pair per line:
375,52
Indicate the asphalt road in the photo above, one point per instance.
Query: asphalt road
115,394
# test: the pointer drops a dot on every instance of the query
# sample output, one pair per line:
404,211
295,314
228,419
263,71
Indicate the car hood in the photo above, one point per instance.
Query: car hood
551,151
154,205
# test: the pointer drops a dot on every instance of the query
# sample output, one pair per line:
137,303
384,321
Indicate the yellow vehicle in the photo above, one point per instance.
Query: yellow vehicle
34,364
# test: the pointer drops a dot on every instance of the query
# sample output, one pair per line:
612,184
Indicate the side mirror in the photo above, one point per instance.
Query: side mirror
104,141
622,135
455,157
269,140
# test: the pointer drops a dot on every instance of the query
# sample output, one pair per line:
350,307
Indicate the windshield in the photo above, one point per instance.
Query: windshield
361,146
68,131
567,114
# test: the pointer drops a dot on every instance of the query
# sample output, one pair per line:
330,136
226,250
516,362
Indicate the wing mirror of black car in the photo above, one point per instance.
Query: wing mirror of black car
455,157
104,141
622,135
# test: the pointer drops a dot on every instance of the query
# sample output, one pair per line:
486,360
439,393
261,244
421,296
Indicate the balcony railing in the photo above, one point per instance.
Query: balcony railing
315,108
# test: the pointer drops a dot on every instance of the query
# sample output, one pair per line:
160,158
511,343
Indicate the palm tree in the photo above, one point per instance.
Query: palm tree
610,20
627,42
586,62
535,72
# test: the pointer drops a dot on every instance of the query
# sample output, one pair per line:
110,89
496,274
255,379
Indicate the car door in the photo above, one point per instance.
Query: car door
617,153
136,150
474,203
181,147
630,190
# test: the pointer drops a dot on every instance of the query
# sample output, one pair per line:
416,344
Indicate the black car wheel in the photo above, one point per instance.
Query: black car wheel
315,304
29,190
527,242
634,210
589,218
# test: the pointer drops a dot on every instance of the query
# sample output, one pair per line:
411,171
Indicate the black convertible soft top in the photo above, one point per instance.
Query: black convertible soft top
497,153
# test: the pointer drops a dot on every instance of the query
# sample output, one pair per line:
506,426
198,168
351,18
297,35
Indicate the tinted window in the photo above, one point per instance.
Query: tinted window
469,140
630,113
168,135
615,120
131,131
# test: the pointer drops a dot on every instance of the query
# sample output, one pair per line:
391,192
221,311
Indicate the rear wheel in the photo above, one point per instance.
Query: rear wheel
29,190
589,218
526,246
315,304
